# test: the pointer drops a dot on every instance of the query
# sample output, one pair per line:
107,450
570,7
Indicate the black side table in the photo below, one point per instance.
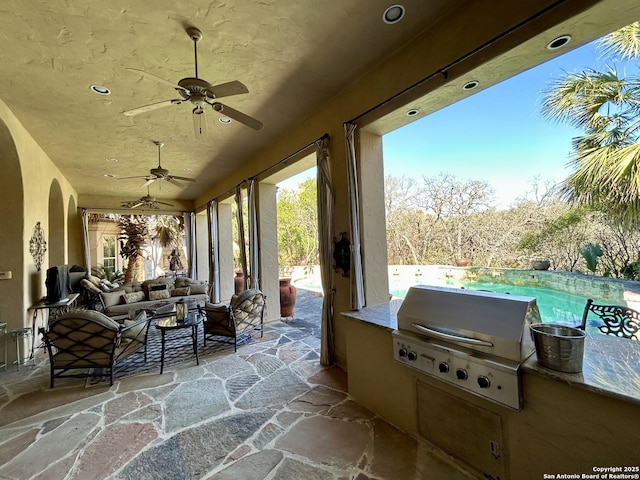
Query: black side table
171,323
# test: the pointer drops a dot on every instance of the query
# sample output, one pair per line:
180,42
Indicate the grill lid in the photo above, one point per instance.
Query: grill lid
493,323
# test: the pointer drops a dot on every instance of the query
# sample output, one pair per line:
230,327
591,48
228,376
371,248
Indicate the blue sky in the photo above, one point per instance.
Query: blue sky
497,135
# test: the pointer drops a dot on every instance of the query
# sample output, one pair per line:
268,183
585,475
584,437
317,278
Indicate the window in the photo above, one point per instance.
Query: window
109,252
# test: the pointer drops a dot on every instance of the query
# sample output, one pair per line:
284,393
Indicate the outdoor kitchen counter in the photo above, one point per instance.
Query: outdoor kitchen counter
611,366
382,315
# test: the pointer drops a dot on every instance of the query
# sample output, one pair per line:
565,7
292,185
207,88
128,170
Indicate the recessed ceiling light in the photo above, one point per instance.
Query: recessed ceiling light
109,175
412,113
225,120
188,169
393,14
111,160
559,42
471,85
100,90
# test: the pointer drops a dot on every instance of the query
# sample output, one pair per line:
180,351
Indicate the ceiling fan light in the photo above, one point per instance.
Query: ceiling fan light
199,122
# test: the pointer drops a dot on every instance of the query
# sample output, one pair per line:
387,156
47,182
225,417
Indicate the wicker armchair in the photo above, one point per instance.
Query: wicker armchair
86,339
244,314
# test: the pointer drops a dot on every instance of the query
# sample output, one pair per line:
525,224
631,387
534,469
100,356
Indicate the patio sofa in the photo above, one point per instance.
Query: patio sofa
134,296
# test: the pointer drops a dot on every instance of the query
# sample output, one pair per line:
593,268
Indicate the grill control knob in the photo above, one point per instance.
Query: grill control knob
443,367
412,356
402,352
483,382
461,374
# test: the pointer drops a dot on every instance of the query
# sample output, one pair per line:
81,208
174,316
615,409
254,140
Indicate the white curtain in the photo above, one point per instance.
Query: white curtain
85,240
254,245
190,240
355,275
325,232
241,238
214,260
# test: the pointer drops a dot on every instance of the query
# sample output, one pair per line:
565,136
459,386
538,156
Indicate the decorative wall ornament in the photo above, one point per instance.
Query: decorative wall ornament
342,254
38,246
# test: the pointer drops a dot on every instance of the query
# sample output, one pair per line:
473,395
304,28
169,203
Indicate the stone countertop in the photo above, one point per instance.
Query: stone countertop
611,366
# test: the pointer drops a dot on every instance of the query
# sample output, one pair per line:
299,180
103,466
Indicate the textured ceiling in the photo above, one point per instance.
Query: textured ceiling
292,56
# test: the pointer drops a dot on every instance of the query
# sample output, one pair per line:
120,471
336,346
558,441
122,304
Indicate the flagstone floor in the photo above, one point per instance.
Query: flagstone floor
267,412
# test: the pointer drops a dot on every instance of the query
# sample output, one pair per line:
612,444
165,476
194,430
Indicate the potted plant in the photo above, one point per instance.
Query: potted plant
540,264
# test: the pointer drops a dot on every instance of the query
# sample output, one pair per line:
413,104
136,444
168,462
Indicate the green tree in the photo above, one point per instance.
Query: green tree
606,105
298,225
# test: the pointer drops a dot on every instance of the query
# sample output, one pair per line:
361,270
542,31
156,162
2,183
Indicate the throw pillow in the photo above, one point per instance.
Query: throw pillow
180,292
112,298
133,297
198,288
135,332
159,294
158,286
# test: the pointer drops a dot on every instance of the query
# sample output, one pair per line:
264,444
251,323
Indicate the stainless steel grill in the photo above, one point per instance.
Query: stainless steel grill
475,340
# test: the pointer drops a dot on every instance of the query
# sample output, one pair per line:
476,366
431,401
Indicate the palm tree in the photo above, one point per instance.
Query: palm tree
606,159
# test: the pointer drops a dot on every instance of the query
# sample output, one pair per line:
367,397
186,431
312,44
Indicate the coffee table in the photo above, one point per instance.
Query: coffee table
171,323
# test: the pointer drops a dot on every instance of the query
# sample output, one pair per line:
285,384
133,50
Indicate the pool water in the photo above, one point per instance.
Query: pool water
554,306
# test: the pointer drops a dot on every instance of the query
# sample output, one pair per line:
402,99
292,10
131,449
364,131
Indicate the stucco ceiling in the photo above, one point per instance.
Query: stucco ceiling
292,55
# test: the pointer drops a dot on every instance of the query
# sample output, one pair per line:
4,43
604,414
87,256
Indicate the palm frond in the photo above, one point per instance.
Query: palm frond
623,43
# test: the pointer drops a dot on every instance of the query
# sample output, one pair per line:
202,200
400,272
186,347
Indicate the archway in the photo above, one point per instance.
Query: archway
56,240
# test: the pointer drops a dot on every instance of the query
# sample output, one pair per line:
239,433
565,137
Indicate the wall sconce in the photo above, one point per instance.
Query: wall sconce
342,254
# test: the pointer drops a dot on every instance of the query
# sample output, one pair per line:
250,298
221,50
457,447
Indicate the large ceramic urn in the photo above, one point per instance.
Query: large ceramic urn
288,295
238,283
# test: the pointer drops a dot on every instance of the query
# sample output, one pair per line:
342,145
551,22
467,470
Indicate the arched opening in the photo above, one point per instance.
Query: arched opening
12,234
74,227
56,240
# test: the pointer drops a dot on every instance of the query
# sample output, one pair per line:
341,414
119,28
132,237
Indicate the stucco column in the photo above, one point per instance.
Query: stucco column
225,234
268,234
202,245
373,236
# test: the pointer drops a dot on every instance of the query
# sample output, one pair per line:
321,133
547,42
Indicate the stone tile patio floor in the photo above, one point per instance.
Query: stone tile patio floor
269,411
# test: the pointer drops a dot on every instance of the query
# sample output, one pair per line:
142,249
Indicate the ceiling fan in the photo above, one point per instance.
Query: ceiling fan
147,202
200,93
160,173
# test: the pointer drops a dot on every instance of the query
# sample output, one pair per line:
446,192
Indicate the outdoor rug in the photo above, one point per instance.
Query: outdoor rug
179,346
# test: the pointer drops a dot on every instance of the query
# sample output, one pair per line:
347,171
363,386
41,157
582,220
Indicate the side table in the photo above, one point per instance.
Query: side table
192,321
54,309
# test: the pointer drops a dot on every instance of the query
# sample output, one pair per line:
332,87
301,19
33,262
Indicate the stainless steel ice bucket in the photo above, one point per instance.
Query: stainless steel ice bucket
559,347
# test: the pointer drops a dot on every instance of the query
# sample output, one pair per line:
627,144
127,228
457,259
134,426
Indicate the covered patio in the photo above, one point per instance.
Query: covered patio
269,411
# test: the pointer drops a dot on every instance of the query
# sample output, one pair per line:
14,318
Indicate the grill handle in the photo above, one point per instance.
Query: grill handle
452,338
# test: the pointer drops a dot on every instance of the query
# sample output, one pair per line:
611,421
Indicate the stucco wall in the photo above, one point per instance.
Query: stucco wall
29,176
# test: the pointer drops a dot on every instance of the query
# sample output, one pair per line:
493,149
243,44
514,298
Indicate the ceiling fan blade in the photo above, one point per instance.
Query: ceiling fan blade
153,106
156,78
132,204
129,178
227,89
174,182
164,203
150,181
184,179
237,116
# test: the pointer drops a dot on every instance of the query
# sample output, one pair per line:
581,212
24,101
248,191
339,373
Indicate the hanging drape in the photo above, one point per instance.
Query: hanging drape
241,236
85,240
355,274
190,243
214,260
325,233
254,246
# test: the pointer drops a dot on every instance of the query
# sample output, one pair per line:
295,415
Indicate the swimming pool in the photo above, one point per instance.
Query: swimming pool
554,306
